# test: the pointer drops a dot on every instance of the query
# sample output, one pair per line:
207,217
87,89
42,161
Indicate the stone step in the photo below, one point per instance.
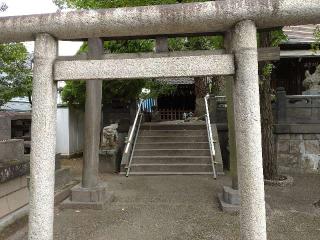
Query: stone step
171,152
183,126
171,168
156,139
172,133
173,145
173,160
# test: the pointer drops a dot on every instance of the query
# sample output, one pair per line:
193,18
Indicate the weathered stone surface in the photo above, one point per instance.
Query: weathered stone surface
43,142
283,146
231,196
12,170
296,136
5,128
89,198
214,16
109,160
310,137
248,133
296,146
303,154
312,147
283,136
110,137
11,150
144,68
310,162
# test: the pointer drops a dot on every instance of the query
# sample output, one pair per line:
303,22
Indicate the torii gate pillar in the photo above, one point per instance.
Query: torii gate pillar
248,133
43,141
91,193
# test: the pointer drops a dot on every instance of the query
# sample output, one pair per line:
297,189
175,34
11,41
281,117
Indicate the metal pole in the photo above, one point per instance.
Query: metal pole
43,141
248,133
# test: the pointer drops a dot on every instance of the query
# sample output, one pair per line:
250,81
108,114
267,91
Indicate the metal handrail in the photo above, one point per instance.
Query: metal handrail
134,146
133,128
210,137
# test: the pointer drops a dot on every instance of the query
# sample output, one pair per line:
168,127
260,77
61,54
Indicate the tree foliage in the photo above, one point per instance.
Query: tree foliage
15,70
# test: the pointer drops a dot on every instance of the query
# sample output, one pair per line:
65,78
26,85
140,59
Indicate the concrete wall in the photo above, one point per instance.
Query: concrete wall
14,195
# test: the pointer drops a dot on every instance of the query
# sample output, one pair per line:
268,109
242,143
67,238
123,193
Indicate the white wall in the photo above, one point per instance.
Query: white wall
63,131
70,131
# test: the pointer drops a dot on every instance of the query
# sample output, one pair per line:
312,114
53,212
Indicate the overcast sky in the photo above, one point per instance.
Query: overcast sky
25,7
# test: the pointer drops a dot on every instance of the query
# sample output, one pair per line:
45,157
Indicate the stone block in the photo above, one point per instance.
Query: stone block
296,146
85,198
11,150
289,160
312,146
283,136
109,161
80,194
309,136
310,163
283,146
227,207
295,136
5,128
294,160
14,169
231,196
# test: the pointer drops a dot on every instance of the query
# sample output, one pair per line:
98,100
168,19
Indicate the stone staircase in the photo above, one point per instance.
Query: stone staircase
172,149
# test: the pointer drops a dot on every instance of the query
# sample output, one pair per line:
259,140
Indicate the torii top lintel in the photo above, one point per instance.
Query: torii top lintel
160,20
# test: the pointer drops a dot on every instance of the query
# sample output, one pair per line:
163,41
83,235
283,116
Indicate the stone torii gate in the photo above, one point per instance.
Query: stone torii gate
242,17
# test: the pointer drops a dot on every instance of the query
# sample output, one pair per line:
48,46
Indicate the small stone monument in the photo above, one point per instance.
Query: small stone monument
110,137
312,83
108,155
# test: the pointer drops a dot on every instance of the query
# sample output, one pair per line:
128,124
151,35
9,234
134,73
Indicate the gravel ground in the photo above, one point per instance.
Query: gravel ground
184,207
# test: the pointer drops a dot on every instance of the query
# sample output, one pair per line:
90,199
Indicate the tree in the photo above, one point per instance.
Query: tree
316,45
270,167
15,70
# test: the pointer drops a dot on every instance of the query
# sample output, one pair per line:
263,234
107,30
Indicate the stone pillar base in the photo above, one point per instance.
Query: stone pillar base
229,200
88,198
